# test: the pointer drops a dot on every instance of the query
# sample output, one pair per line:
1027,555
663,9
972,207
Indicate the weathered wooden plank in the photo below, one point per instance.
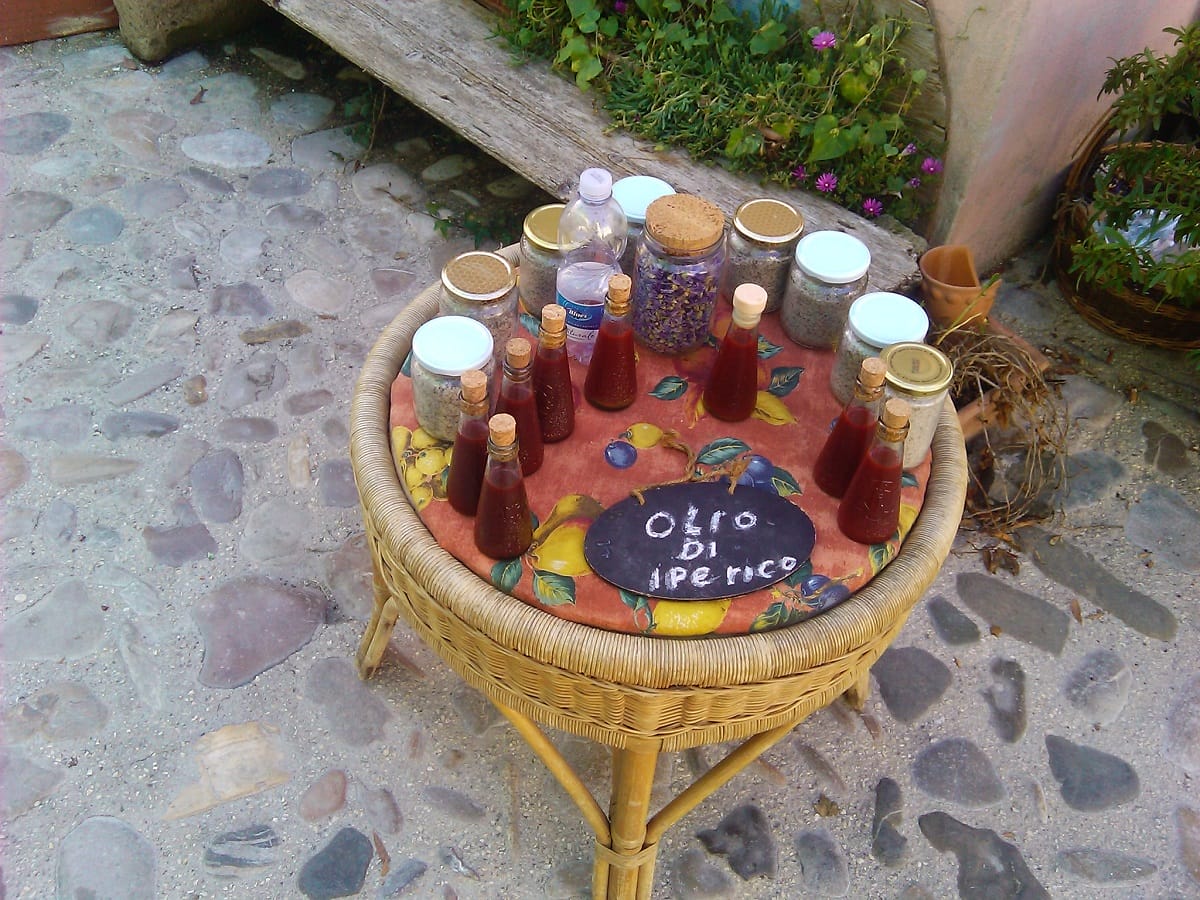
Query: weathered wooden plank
443,56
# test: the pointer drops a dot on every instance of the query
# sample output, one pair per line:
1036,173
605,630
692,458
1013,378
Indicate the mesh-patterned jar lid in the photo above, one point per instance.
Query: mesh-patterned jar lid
450,345
541,226
479,276
684,223
636,192
916,368
882,318
833,257
768,221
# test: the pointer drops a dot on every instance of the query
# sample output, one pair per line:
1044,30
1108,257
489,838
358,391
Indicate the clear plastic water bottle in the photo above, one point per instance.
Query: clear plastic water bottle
592,232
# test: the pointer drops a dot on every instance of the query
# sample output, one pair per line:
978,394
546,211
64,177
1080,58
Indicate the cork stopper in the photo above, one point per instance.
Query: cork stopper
684,223
554,318
502,429
619,287
517,352
474,385
749,301
872,372
895,413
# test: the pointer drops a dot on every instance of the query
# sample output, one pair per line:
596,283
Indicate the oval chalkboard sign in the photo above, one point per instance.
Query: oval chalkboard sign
697,541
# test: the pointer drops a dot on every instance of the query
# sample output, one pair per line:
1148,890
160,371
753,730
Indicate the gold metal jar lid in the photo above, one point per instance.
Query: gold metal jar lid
916,368
479,276
684,223
768,221
541,226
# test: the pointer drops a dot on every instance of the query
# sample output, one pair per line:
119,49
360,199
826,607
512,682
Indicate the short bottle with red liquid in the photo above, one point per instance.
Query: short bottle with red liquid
853,430
503,523
611,382
870,511
516,399
732,389
469,457
552,377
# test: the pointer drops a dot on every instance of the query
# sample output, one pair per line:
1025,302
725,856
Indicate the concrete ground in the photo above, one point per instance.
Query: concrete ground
195,260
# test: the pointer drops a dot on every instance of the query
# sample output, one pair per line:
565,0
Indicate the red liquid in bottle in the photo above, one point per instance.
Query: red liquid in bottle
732,390
843,450
870,511
611,381
517,400
552,390
467,464
503,526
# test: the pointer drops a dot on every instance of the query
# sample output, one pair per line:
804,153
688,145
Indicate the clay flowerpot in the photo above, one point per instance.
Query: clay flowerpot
950,285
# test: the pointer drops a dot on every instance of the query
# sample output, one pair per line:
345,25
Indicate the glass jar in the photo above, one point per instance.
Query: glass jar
635,193
829,274
442,349
482,286
760,248
921,375
679,263
876,320
538,268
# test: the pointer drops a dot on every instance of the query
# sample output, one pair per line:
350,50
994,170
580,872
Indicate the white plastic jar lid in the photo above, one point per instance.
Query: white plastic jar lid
635,192
450,345
833,257
882,318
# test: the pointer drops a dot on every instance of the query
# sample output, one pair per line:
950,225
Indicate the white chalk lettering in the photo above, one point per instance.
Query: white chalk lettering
701,577
766,569
676,575
691,550
745,520
689,522
656,531
788,563
733,573
715,521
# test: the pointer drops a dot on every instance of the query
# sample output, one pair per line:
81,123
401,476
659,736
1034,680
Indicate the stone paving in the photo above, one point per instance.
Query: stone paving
195,260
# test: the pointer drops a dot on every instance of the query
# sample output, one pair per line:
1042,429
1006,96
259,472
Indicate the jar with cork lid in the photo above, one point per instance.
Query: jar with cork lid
875,321
483,286
921,375
442,350
760,248
679,264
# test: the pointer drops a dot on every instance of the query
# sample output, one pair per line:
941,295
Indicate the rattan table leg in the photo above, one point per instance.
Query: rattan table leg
856,695
631,864
375,639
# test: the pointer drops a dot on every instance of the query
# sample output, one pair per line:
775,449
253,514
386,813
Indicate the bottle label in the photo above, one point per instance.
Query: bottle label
583,319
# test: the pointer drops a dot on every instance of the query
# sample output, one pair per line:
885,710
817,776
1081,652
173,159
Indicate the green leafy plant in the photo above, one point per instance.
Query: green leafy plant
799,99
1143,203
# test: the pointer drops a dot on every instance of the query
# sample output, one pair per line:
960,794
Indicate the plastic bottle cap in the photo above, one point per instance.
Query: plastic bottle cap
833,257
502,428
474,384
595,184
895,413
872,372
449,345
517,352
620,286
749,301
554,318
684,223
768,221
882,318
635,192
479,275
541,226
917,368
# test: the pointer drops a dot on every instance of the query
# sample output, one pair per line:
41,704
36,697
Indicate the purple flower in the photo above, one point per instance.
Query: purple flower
800,173
931,165
826,182
872,207
914,182
619,7
823,40
909,150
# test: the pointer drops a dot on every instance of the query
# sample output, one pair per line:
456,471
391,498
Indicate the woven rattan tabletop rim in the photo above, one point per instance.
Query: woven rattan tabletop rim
630,659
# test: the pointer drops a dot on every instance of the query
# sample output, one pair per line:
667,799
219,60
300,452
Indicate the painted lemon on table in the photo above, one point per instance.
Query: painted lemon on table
689,618
422,462
558,540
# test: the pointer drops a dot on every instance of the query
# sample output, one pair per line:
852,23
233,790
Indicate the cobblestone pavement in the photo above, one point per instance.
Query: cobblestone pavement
193,271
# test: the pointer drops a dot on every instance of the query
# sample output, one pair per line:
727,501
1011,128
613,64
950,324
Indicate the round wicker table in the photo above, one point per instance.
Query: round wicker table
638,695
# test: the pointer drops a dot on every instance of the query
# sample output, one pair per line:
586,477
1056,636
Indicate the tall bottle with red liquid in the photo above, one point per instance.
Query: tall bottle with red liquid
469,457
503,524
516,399
870,511
552,377
732,389
611,382
853,431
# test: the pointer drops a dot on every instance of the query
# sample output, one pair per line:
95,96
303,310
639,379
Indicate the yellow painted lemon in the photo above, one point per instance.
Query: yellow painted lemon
683,618
562,550
571,506
422,439
422,495
430,461
908,515
643,435
401,438
413,477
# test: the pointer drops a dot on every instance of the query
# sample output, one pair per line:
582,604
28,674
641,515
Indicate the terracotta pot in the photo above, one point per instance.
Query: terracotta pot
950,286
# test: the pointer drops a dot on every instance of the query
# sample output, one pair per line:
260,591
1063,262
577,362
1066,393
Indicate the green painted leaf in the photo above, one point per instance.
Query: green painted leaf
881,555
721,450
801,572
766,349
784,380
774,616
506,573
908,479
643,616
553,589
785,484
406,368
530,324
670,388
